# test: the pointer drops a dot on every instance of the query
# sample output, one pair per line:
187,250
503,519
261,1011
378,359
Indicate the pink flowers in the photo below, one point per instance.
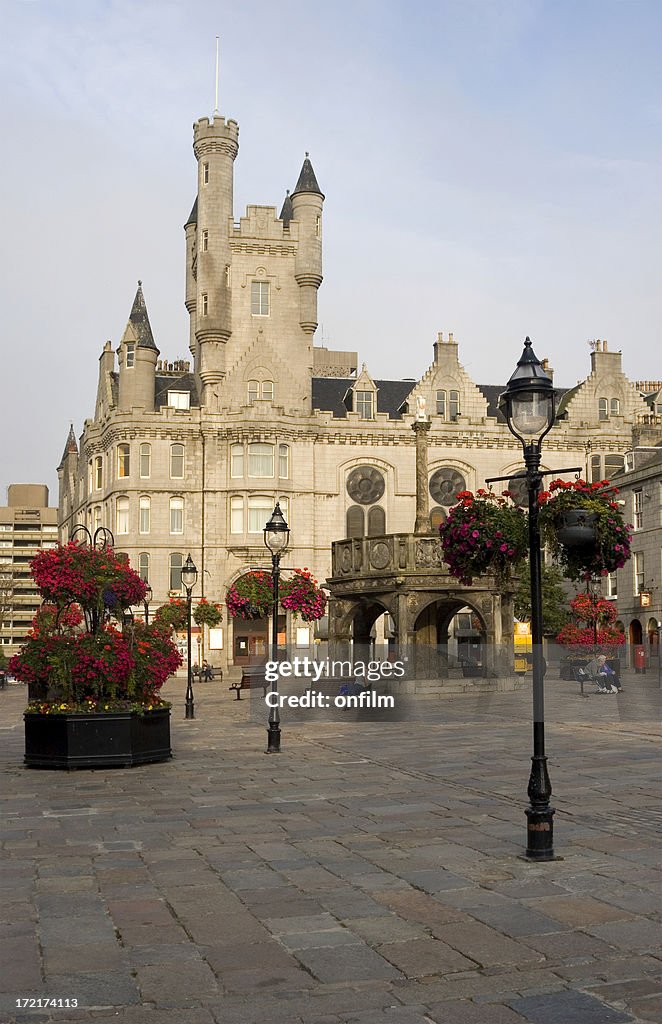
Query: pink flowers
485,533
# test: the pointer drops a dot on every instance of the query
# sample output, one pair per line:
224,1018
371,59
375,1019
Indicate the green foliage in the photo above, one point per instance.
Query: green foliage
555,603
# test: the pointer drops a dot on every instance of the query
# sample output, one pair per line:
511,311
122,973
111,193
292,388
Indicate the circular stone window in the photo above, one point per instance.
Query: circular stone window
365,485
445,485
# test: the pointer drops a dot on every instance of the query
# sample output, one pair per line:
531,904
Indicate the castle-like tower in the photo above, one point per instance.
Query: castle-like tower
251,287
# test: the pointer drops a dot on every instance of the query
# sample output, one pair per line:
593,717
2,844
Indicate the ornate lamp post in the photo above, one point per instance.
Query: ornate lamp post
146,603
276,538
528,403
189,580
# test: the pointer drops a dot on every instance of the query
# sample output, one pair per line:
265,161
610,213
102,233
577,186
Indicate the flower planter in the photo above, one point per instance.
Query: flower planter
112,740
575,528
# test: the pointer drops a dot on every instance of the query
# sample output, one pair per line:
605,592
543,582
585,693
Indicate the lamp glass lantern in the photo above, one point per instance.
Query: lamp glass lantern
277,532
149,594
189,573
529,401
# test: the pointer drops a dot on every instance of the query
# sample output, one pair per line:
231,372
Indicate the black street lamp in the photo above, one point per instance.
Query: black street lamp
146,602
276,538
528,403
189,580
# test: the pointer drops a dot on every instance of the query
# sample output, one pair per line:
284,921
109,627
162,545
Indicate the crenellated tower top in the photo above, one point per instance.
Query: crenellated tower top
215,136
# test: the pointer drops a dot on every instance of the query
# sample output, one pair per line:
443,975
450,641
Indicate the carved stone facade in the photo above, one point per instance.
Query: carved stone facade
182,457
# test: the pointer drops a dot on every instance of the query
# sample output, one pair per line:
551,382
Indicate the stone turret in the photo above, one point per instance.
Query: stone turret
191,231
137,356
215,144
307,201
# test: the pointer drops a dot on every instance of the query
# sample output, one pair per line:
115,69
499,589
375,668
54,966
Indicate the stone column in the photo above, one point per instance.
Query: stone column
422,523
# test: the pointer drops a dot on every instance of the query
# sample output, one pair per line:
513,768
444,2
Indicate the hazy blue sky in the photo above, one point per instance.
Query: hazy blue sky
491,167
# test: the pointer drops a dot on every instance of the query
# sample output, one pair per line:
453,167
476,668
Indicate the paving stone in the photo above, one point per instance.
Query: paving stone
93,956
515,920
423,957
649,1009
248,956
347,964
465,1012
273,979
106,988
578,911
320,939
434,880
568,1008
563,945
191,982
643,935
386,928
486,946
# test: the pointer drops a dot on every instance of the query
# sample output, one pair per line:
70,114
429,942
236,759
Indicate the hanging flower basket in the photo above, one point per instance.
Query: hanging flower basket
207,613
484,533
301,594
173,616
251,596
593,626
595,540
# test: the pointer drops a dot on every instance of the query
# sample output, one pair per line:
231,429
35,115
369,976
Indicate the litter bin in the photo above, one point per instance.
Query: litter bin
639,658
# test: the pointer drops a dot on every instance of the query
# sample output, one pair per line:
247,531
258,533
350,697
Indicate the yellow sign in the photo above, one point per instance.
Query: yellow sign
644,599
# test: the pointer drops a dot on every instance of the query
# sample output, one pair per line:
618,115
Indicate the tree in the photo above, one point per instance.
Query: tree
555,607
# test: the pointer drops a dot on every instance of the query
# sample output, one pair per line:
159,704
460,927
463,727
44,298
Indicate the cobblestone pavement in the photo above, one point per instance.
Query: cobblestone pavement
370,874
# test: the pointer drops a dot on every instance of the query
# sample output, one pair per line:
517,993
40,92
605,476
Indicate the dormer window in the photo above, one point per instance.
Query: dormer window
603,409
179,399
453,405
130,354
615,407
253,391
364,404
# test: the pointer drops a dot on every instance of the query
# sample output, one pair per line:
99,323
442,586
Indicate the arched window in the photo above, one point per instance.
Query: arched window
145,514
143,565
253,391
145,461
90,477
441,404
123,462
603,409
176,515
355,527
96,518
615,407
122,515
267,390
177,461
130,354
176,563
453,405
260,460
283,461
596,468
376,521
98,472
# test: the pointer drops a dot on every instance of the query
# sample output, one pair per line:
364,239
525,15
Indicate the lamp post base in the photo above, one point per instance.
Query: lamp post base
540,834
273,738
190,709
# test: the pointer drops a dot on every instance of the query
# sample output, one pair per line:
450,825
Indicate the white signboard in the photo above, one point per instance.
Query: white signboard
216,639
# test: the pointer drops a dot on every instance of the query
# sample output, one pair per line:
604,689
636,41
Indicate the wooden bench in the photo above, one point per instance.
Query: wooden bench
252,677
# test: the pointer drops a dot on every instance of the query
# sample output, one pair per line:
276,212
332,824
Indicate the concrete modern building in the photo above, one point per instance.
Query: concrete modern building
189,453
27,524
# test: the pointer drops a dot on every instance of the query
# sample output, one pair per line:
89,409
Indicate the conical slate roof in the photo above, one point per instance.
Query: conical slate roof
140,321
287,213
193,215
307,181
71,447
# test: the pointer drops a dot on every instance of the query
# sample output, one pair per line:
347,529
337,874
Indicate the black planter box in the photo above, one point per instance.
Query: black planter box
118,739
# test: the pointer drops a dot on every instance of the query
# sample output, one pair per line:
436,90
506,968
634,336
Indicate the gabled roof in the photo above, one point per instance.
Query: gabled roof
329,395
307,181
139,319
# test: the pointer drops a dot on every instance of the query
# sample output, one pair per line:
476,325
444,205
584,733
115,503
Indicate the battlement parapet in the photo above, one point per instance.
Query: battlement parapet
262,222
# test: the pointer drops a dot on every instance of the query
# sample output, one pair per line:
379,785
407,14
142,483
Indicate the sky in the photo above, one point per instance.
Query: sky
491,168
